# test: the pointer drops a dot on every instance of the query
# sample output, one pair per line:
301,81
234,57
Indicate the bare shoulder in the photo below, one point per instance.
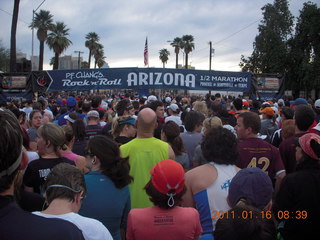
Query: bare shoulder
200,177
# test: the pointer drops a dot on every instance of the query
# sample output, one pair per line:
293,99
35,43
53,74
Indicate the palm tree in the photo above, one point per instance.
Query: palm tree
177,44
13,54
43,22
92,39
188,46
51,63
98,53
58,41
164,56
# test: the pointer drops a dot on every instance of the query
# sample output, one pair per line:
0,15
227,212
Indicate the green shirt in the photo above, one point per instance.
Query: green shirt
143,153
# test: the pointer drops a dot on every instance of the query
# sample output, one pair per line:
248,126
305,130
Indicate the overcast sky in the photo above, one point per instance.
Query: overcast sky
123,25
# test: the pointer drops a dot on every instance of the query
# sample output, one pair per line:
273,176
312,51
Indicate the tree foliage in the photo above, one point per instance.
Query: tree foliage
43,22
4,58
270,45
58,41
92,40
304,54
187,46
164,56
177,44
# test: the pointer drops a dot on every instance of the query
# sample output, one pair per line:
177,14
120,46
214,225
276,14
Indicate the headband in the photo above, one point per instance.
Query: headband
63,186
12,168
130,121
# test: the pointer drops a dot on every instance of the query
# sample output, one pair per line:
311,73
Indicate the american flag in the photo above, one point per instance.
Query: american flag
145,53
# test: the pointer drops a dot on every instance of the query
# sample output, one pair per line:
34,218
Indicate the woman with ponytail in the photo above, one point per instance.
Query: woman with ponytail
50,140
171,134
108,196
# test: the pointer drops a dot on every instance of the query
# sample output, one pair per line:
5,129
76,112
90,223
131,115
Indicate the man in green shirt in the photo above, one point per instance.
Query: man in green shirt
144,152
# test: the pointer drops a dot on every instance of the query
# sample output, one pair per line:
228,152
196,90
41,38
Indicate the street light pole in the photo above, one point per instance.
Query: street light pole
33,12
79,52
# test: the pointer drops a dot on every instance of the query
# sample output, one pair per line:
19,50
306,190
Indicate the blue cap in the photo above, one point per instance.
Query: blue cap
71,102
299,101
252,184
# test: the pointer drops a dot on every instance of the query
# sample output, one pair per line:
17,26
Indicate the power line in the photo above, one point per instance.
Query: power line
231,35
11,16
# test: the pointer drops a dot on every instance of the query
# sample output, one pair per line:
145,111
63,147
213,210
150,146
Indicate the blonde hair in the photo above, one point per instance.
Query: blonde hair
201,107
212,122
116,127
54,134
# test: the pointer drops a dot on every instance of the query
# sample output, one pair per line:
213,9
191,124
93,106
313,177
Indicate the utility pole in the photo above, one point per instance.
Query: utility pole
210,55
79,52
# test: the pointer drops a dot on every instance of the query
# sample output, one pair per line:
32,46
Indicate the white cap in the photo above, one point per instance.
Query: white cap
168,99
152,98
93,113
67,117
174,107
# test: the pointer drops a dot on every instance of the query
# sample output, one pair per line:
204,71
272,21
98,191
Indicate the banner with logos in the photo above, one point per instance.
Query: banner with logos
15,86
140,78
268,86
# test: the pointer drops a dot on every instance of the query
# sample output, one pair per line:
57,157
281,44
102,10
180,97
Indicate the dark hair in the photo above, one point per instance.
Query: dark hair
96,101
192,120
251,119
287,112
10,150
236,227
219,145
172,131
121,106
111,163
86,107
79,130
161,200
16,112
155,104
304,117
66,175
237,103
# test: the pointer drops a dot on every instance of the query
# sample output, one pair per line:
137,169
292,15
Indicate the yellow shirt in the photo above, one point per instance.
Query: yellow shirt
143,153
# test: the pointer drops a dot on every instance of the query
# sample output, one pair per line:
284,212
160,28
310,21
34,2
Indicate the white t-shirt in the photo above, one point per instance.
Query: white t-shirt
175,119
91,228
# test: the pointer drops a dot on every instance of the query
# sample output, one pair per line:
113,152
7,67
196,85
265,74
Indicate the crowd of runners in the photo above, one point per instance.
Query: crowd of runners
121,166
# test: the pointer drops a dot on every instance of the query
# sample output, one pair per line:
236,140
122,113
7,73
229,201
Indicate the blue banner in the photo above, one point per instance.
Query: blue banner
141,78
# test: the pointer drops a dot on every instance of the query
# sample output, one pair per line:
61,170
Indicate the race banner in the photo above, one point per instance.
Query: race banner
268,86
137,78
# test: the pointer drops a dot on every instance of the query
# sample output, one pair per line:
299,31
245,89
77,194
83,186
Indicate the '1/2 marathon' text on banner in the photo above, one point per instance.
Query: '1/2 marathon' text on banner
137,78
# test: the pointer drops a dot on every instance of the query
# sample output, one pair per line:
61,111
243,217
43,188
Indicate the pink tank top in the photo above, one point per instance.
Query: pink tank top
70,155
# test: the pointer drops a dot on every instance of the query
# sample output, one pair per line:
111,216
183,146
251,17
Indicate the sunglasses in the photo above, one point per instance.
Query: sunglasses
87,153
129,107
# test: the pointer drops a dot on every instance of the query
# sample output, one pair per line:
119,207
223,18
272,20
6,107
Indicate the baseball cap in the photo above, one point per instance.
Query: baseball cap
174,107
317,127
267,110
93,113
317,104
168,99
252,184
71,102
299,101
245,102
152,98
70,117
305,144
167,176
